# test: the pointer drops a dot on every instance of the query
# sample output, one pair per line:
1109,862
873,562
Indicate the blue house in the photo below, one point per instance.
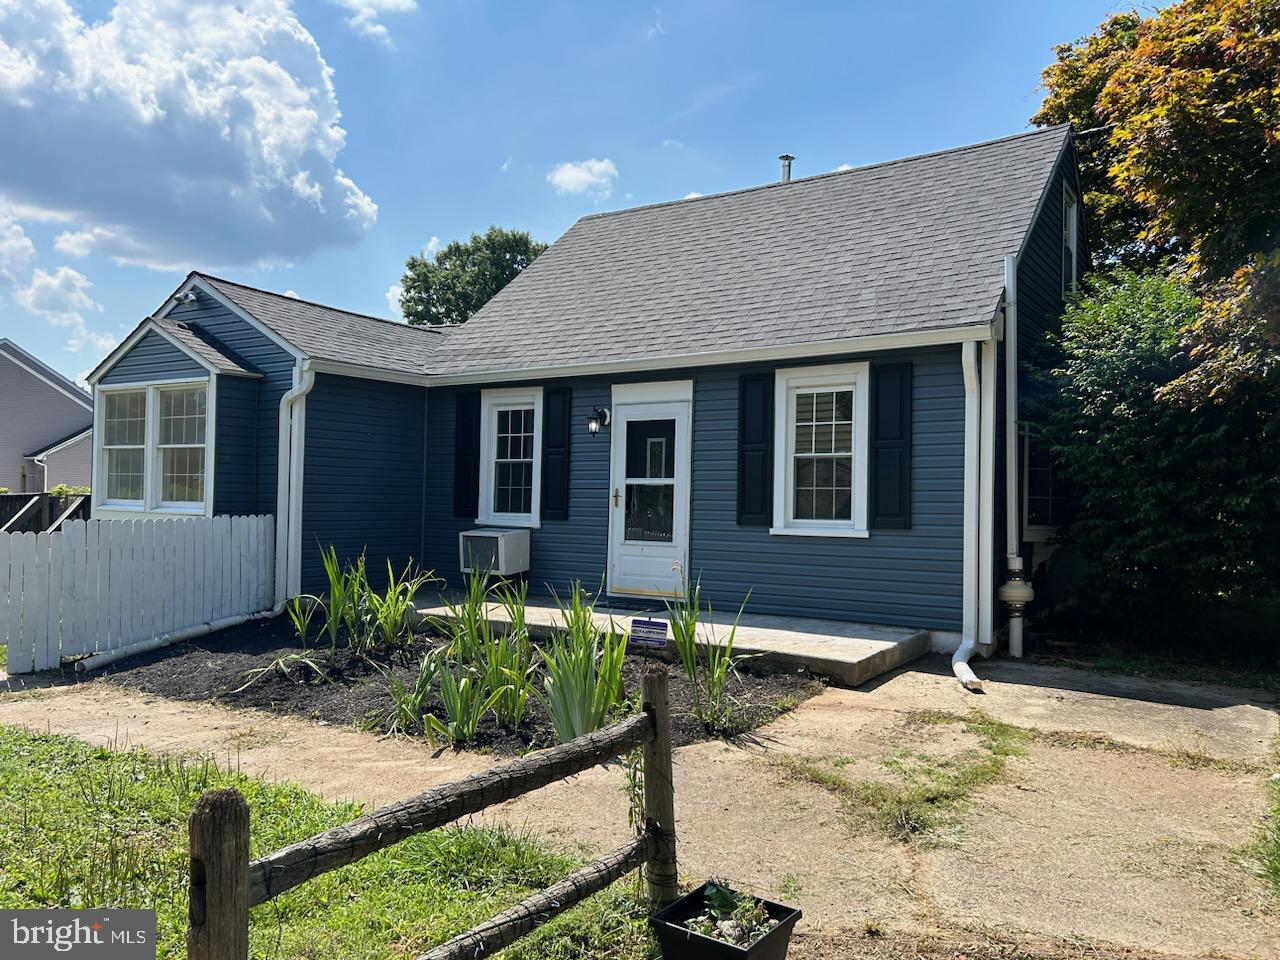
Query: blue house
802,389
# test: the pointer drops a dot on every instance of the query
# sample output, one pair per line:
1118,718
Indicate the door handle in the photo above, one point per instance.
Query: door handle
617,497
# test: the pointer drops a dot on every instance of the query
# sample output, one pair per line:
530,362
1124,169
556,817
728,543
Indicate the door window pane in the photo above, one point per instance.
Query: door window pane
650,511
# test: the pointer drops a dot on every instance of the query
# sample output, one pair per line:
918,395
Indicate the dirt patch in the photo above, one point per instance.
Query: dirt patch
1079,849
216,666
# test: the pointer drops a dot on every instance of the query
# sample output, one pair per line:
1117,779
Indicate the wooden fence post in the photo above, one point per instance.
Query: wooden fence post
659,790
218,904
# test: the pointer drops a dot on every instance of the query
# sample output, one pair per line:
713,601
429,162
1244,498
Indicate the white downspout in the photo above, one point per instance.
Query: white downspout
969,617
1016,593
987,498
289,452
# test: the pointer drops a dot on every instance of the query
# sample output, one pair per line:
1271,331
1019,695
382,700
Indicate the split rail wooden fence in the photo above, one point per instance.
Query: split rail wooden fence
225,884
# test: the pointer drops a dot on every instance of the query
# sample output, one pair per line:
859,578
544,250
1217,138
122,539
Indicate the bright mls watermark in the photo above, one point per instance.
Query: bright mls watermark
100,934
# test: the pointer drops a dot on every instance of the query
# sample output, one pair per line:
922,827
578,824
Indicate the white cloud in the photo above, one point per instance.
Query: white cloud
506,165
655,30
432,247
691,195
16,249
172,133
592,177
843,167
291,293
364,15
62,298
672,144
393,300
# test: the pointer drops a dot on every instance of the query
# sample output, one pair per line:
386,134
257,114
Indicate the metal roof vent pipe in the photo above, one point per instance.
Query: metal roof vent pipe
786,159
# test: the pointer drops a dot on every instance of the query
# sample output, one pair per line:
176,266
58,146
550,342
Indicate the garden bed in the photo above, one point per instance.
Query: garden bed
211,668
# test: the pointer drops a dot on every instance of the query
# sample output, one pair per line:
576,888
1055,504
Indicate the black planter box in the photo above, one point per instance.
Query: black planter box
679,943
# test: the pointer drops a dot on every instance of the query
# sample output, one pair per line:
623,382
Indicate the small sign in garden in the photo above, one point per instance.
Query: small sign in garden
648,633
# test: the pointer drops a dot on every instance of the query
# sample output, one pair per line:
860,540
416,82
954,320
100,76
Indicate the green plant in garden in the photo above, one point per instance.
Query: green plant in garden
467,625
466,700
707,662
409,702
362,629
335,605
68,490
583,680
389,612
301,610
308,670
507,659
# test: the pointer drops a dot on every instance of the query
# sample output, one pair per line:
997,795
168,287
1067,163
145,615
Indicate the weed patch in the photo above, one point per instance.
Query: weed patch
921,793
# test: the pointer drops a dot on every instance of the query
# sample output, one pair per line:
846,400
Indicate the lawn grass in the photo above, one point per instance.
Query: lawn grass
924,793
1268,846
82,826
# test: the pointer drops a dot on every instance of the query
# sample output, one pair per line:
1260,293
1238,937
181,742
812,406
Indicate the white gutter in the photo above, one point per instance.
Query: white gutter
969,617
1016,593
289,483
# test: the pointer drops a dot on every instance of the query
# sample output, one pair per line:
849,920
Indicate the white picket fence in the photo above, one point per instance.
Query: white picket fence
99,585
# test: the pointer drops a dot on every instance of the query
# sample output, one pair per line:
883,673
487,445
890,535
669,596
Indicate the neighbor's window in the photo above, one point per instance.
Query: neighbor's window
1070,243
1045,496
181,445
510,470
820,485
124,427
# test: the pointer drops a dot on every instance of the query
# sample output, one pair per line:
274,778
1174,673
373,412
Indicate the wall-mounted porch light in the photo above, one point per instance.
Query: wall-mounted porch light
599,418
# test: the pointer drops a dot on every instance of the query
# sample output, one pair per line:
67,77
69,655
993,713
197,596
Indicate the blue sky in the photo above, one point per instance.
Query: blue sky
312,146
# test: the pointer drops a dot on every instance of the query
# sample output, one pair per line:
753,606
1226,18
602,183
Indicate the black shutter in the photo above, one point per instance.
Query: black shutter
755,449
556,402
891,446
466,455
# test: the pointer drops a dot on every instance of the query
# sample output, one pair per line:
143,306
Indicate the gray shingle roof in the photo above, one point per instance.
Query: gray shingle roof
327,333
914,244
204,347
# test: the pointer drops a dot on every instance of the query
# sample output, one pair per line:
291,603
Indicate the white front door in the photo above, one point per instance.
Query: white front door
649,487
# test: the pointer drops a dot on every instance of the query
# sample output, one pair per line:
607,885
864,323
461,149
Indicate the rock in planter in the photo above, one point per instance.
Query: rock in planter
678,942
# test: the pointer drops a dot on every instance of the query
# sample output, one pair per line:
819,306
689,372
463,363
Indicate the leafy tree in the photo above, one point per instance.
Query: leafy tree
1177,507
1188,163
452,285
1117,224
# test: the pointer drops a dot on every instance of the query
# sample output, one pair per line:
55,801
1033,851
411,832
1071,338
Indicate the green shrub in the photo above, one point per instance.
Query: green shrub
583,680
66,490
466,699
1177,506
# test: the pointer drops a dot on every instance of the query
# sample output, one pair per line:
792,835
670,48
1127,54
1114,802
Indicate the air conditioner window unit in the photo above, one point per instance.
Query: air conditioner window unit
498,551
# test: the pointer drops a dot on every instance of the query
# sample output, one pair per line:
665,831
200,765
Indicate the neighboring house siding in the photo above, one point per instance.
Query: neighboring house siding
362,484
152,358
35,415
71,465
911,577
259,352
235,473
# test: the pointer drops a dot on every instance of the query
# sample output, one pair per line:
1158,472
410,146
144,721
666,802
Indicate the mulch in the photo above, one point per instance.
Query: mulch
214,667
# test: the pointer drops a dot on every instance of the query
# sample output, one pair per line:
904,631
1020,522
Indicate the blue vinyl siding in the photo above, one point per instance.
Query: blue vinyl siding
259,352
235,474
362,483
910,577
153,358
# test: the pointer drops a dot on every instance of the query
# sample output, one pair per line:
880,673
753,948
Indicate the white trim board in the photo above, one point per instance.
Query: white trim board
195,280
491,402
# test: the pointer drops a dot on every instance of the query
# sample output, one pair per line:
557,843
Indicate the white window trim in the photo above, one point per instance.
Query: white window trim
786,384
1071,206
491,401
151,505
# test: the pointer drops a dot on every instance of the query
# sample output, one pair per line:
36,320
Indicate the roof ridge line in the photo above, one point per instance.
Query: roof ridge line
829,173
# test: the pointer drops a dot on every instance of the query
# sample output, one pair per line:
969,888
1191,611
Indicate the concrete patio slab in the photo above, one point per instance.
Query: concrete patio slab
849,654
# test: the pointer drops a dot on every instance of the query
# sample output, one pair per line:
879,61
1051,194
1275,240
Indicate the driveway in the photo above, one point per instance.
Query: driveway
1124,823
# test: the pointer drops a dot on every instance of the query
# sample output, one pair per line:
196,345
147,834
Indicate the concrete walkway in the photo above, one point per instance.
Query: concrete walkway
849,653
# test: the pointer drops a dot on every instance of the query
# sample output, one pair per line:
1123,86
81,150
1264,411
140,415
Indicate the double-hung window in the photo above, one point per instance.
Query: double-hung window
155,448
511,456
820,443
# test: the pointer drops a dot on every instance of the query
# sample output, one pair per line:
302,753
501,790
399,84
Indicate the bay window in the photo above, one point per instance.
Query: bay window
820,469
155,448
